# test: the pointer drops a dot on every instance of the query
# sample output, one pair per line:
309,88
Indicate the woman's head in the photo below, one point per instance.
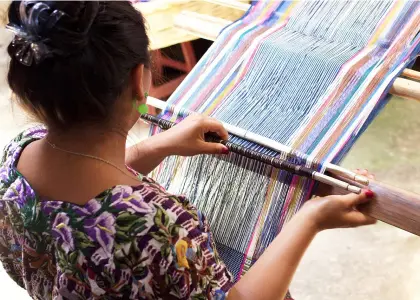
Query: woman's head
78,62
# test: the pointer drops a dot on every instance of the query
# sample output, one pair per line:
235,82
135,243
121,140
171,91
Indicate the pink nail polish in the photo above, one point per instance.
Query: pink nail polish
225,150
369,194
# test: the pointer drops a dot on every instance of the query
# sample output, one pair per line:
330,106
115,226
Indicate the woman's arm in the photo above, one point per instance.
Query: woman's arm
148,154
185,139
271,275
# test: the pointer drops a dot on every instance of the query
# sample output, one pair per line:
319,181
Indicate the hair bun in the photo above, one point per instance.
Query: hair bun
43,29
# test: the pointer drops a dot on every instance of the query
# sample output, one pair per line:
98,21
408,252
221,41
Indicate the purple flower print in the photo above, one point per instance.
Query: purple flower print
101,229
4,173
47,207
123,199
19,191
62,232
88,209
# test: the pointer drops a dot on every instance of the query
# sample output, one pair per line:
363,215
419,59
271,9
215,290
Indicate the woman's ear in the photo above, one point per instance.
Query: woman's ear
138,86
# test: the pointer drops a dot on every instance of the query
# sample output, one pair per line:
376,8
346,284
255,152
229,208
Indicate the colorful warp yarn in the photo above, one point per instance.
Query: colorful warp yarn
310,75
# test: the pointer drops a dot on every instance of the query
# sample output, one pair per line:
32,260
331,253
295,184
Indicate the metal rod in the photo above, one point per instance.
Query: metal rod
267,159
268,143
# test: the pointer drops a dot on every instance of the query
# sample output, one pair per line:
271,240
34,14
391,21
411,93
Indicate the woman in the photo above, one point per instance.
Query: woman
77,218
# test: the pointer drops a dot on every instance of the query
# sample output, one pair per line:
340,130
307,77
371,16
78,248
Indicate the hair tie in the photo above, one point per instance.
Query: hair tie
28,43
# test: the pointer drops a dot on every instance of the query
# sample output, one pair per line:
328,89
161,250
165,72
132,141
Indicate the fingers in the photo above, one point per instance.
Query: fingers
212,125
208,124
365,173
213,148
355,218
353,200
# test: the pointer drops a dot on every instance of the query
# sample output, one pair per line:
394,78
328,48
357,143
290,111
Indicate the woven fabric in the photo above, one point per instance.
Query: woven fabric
310,75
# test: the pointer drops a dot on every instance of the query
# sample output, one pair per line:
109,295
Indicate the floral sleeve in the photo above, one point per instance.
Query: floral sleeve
185,262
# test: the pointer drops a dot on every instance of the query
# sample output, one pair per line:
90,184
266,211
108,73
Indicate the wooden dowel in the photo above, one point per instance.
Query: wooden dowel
406,88
269,143
411,74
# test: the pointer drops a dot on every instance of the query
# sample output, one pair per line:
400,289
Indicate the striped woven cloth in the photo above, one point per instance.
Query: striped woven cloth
308,74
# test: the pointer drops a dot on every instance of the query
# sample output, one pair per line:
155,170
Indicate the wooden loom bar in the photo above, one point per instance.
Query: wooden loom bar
411,74
209,28
405,88
393,206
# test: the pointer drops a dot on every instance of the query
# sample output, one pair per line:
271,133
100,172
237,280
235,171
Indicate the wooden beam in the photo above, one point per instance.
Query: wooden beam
200,25
405,88
239,5
391,205
411,74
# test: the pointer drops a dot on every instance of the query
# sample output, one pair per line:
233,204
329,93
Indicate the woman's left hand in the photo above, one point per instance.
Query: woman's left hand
188,137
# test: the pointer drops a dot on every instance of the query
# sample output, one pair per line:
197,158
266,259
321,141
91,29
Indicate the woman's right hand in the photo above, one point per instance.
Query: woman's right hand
338,211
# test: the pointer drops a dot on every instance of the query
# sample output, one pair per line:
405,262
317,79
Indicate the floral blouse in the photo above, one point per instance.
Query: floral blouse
130,242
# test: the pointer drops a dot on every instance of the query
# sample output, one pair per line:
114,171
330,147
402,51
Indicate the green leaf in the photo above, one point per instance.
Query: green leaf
122,237
82,239
158,217
73,257
126,220
161,217
138,227
165,250
33,217
162,238
167,279
139,272
174,230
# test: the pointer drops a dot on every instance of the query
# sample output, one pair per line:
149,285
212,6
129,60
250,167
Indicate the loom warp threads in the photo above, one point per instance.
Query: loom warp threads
309,74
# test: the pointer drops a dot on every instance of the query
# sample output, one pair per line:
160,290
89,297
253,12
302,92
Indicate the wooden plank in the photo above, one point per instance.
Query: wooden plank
199,25
390,205
405,88
394,206
160,16
239,5
411,74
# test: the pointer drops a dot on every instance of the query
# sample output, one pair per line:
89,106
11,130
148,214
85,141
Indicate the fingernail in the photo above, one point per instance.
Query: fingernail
369,194
357,169
225,150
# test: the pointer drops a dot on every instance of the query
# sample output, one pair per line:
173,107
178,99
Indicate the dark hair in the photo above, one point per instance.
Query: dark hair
93,49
